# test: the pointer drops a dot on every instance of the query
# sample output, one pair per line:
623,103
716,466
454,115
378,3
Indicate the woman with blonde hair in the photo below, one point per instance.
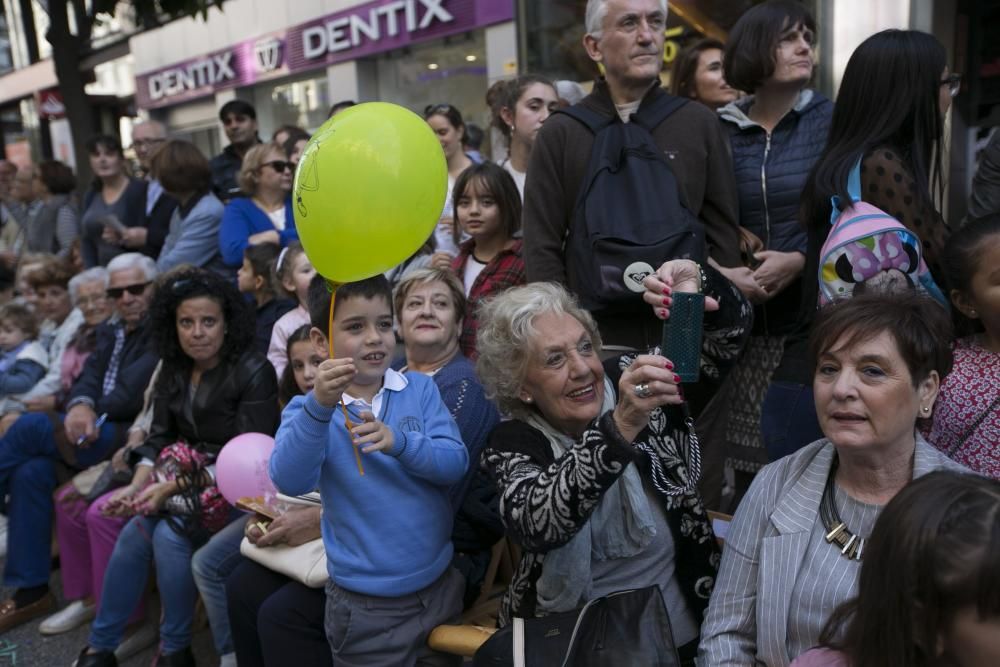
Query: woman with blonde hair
264,215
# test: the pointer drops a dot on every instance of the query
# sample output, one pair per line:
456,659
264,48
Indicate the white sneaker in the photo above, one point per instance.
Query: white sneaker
71,617
145,636
3,536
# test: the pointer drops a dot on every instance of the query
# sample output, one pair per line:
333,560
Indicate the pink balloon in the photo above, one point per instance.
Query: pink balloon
241,469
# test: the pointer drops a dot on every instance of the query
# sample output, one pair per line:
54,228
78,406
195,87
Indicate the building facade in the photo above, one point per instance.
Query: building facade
292,61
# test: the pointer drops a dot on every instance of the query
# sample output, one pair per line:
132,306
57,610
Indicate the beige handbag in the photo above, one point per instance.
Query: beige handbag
305,563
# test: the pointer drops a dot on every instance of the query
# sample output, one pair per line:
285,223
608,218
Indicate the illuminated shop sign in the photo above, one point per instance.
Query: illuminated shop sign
360,31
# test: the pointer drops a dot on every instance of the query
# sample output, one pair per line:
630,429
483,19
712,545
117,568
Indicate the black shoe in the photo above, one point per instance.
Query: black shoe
99,659
182,658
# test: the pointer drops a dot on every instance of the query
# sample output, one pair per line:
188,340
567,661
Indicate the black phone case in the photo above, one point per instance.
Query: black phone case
681,342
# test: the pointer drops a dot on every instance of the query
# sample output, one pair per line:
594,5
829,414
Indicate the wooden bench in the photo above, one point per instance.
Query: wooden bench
479,621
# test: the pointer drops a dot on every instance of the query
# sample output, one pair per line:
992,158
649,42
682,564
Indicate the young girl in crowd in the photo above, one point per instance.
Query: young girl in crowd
23,360
294,271
254,277
966,418
488,209
929,591
303,360
448,126
520,106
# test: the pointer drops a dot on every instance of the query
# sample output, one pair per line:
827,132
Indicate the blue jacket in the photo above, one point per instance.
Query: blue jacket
771,172
194,228
387,533
241,220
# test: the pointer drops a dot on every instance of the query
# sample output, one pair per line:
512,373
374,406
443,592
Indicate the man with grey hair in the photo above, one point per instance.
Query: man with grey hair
147,238
626,38
102,405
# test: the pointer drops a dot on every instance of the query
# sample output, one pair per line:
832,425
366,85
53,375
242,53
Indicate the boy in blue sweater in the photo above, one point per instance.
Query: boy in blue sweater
387,533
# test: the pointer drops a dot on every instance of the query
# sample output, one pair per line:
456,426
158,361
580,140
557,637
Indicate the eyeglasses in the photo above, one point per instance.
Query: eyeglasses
134,290
279,165
147,143
954,83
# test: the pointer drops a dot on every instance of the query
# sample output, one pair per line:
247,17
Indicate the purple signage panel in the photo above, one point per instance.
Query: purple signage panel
353,33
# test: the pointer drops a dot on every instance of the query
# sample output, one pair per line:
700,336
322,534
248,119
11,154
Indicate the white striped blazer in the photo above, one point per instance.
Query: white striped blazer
766,545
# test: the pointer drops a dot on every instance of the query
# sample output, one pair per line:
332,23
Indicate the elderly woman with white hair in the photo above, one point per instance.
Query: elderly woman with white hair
597,471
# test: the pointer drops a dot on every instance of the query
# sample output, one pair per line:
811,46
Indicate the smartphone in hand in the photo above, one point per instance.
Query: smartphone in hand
681,342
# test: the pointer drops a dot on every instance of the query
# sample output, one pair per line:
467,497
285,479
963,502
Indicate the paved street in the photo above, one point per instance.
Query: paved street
26,647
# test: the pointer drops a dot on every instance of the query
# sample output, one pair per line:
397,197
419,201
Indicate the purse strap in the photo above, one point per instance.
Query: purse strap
519,660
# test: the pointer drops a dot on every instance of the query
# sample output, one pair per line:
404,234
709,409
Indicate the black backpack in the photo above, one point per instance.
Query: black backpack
629,214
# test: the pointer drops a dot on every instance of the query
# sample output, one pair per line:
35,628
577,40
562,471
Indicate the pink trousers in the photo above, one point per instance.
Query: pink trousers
86,540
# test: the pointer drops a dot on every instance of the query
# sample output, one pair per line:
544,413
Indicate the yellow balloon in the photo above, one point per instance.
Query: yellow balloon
369,189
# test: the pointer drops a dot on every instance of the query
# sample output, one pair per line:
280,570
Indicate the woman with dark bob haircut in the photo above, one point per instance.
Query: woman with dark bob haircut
183,172
795,546
929,591
114,200
213,386
57,224
776,134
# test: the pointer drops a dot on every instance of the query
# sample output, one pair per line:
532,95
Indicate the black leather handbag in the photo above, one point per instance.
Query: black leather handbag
623,629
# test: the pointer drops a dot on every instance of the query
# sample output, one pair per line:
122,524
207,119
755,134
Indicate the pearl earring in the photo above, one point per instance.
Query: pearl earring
972,313
528,399
925,409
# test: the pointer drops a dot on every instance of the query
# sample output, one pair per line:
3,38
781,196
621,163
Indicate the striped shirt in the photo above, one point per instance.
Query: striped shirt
826,578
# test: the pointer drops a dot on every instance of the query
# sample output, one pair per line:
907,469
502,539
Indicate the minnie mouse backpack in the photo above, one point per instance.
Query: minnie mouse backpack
869,250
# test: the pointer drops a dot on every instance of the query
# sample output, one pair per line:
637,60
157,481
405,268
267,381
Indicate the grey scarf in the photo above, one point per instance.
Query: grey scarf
620,526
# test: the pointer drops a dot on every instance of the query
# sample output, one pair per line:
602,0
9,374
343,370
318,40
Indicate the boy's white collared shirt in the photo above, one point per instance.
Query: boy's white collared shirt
393,380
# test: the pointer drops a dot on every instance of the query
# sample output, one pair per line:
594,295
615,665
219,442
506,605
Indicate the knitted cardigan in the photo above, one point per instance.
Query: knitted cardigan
545,501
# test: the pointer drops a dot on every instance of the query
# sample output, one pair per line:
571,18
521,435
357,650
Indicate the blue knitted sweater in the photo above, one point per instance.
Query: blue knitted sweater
387,533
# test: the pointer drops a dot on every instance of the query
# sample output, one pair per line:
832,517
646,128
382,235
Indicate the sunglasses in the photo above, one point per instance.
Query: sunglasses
280,165
134,290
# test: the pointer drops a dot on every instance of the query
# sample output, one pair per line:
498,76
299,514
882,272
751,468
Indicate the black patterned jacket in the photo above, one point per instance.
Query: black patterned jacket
545,501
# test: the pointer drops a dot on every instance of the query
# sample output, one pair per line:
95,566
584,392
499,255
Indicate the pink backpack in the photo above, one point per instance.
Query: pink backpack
868,249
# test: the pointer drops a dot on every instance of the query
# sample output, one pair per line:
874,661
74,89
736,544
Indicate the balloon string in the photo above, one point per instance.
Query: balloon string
347,418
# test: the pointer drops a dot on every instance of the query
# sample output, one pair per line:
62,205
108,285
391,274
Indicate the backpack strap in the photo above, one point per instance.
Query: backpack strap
854,181
590,119
651,115
853,189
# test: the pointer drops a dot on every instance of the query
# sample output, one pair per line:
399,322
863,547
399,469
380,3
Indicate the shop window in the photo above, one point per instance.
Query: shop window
552,33
450,71
301,103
